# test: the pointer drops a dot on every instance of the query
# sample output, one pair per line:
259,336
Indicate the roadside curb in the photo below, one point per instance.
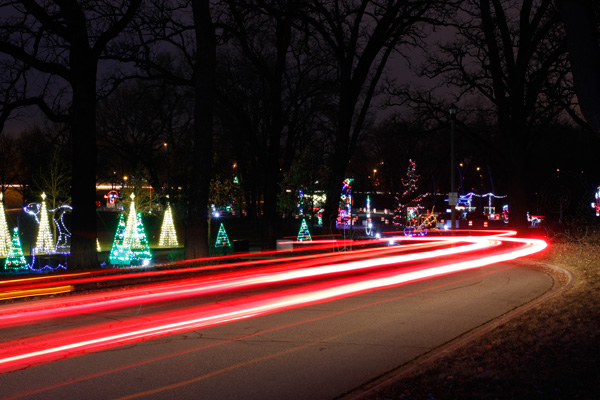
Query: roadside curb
563,279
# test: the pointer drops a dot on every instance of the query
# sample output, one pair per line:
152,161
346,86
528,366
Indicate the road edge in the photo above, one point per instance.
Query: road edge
562,278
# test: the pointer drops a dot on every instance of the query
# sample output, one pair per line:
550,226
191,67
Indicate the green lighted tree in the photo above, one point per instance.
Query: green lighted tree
222,238
15,261
119,252
130,245
304,233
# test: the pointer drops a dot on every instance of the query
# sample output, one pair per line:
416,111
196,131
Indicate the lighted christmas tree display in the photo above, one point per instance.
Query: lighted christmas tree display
130,245
344,219
45,241
168,236
409,196
5,239
15,261
410,182
301,204
139,244
303,233
222,238
369,227
347,193
119,252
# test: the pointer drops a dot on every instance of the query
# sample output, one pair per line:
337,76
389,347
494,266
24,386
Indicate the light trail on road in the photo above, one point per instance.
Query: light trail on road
37,286
301,282
292,268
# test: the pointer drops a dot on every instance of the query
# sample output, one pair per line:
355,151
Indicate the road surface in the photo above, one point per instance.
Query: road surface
319,350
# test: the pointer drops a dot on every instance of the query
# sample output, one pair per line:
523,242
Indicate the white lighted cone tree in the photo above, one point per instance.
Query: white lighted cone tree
5,236
168,235
45,241
130,238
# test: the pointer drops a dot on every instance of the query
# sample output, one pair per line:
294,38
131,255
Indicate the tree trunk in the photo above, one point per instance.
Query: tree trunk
517,176
517,201
340,159
584,54
83,138
334,190
197,244
271,220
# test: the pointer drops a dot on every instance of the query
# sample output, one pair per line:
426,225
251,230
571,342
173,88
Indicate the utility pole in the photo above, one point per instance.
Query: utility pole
453,195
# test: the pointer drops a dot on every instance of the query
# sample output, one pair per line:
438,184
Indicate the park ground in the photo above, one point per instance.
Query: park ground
549,352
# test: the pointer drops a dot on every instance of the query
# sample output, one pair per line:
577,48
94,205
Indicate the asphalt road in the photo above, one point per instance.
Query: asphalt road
323,351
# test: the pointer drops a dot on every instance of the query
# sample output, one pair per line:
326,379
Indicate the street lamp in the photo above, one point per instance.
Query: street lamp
453,195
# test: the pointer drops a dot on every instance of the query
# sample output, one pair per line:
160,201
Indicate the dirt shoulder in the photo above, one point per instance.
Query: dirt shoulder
550,351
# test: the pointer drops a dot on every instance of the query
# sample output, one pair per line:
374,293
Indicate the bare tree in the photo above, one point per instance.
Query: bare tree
510,56
175,41
271,91
54,179
143,124
9,161
361,36
52,50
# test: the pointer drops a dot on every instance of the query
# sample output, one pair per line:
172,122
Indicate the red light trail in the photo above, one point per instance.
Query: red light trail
295,281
